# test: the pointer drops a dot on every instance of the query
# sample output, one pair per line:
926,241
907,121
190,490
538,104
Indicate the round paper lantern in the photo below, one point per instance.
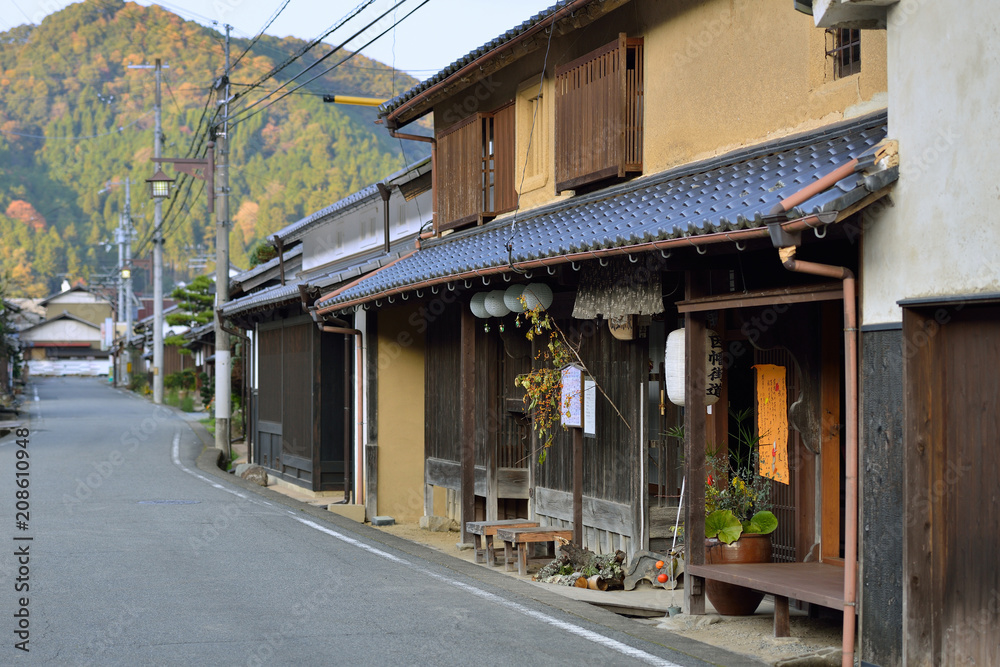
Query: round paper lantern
674,366
512,298
495,303
478,305
537,293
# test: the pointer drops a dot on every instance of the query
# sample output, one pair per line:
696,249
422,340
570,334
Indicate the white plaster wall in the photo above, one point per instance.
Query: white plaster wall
59,331
352,233
941,235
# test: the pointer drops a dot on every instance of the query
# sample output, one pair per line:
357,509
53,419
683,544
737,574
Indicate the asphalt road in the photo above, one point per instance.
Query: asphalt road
136,556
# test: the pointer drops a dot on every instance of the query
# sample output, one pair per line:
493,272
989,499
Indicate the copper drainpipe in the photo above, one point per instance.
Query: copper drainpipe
359,496
788,260
434,174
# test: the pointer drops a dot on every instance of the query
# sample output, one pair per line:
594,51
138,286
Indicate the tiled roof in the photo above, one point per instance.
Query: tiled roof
296,230
265,266
730,192
390,106
280,294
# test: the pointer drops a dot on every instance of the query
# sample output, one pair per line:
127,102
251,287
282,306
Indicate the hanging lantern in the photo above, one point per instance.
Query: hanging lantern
478,305
512,298
494,303
536,294
674,366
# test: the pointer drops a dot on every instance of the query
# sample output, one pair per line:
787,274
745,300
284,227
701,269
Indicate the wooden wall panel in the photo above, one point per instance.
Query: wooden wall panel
459,155
952,520
269,375
297,422
442,420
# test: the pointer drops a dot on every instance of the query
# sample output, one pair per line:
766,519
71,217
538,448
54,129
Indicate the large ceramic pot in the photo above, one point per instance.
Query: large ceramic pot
730,599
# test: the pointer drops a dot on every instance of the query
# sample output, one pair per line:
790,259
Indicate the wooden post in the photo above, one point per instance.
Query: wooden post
578,486
468,431
694,445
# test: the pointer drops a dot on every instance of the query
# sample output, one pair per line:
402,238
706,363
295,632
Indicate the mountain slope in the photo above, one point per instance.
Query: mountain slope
74,117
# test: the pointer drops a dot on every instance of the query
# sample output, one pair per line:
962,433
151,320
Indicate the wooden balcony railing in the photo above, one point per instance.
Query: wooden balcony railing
599,114
476,163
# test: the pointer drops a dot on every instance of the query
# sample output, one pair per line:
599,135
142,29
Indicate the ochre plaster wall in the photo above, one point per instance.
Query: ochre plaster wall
719,75
400,416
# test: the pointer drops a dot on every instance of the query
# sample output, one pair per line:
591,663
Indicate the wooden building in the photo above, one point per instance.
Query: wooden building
308,381
551,167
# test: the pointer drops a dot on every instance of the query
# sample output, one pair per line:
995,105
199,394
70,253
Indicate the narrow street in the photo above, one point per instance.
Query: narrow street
137,557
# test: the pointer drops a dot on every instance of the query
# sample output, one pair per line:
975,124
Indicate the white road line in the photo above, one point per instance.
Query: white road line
36,394
572,628
177,462
607,642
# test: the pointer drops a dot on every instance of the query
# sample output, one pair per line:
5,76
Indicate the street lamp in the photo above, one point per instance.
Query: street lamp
159,184
159,188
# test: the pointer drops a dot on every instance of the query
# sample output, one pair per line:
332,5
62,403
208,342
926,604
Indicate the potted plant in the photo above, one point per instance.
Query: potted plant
738,520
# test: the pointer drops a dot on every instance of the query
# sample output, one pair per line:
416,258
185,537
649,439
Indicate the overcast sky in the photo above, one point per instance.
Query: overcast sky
438,33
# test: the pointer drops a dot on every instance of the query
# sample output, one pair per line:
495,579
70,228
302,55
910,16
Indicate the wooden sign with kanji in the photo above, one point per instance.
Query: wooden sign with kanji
772,422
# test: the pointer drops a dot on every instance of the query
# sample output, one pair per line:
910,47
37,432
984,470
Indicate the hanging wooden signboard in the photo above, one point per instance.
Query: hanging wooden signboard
571,401
772,422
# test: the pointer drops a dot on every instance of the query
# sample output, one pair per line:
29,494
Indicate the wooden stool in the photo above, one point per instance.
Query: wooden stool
524,536
487,529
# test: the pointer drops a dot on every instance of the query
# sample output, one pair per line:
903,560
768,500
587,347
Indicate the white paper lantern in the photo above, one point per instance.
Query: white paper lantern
673,363
511,298
495,303
537,293
478,305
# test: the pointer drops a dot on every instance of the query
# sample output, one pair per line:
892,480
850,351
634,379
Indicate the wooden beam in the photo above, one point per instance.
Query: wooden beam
831,337
694,444
578,486
467,400
769,297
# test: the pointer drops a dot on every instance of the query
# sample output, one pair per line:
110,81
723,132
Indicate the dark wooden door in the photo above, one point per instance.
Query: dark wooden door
951,356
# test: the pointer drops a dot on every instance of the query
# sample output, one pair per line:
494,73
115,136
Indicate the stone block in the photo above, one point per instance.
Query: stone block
352,512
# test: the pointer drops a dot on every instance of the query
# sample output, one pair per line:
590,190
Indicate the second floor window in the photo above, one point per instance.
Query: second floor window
844,49
599,115
477,155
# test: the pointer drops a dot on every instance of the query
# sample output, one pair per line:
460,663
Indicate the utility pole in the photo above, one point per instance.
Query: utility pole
120,312
223,366
157,256
126,375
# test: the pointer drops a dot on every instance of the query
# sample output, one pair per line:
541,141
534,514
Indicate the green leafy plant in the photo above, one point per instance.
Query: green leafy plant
543,385
737,496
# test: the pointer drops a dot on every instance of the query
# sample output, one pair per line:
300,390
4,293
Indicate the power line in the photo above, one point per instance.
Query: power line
308,47
259,34
331,68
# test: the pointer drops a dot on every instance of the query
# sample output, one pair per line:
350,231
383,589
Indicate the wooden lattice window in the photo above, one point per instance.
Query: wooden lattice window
476,158
844,49
599,114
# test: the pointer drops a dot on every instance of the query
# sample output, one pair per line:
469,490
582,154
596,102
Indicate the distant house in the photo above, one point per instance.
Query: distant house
80,302
65,345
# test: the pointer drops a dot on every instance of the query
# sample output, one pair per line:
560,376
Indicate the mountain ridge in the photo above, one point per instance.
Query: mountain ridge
68,80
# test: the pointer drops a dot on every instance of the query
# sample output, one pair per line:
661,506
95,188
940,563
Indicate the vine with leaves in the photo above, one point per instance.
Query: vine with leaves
543,384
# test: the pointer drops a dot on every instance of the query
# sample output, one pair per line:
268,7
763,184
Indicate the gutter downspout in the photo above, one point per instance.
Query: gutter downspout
281,257
787,255
385,193
434,178
359,497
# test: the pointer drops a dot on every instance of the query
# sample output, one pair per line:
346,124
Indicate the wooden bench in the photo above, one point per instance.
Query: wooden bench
817,583
522,537
486,530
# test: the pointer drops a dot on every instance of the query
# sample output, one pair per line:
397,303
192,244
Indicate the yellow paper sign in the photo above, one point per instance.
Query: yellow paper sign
772,422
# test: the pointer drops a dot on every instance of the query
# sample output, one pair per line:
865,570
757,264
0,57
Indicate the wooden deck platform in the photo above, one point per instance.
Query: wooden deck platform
817,583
